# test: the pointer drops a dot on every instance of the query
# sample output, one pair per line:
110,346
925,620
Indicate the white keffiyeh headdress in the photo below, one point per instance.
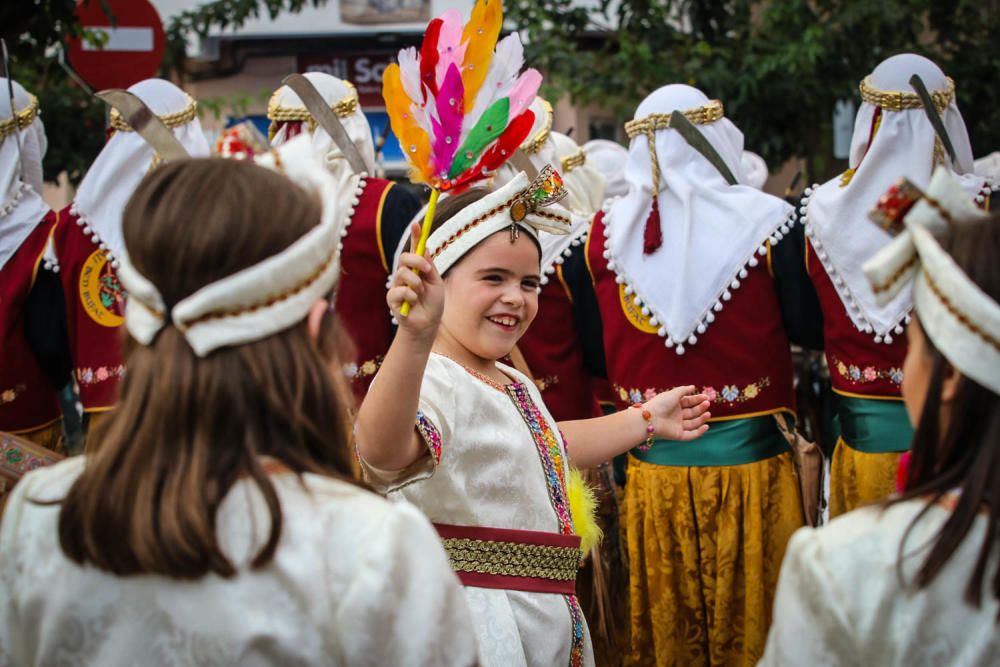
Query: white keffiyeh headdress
259,300
21,204
892,138
961,320
711,231
127,158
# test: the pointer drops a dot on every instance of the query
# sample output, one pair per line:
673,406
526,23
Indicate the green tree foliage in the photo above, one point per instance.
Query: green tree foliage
778,66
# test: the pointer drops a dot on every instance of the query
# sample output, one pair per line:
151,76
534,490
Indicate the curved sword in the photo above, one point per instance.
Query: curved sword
145,123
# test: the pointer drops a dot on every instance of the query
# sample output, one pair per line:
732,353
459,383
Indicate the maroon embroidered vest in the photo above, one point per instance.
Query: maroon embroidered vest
858,365
28,399
552,350
95,311
743,360
364,273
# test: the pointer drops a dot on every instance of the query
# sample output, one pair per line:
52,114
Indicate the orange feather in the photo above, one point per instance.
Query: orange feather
412,138
480,34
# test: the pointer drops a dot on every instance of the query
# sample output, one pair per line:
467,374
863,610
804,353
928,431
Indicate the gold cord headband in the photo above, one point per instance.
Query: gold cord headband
281,114
21,119
707,113
171,120
536,142
898,100
571,162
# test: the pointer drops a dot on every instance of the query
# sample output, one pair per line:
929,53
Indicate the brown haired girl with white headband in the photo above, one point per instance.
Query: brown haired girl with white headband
916,580
215,520
468,439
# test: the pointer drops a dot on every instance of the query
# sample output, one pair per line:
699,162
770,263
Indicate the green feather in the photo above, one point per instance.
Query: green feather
490,126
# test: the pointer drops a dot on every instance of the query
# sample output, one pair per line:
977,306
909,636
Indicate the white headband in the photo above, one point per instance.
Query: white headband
514,206
262,299
960,319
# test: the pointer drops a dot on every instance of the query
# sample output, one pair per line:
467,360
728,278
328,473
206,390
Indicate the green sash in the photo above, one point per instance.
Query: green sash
727,443
874,426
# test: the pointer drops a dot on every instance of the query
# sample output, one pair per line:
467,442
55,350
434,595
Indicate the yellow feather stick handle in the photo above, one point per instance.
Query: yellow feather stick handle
425,232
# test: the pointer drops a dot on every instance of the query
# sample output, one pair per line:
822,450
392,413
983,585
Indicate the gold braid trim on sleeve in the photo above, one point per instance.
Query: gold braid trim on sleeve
20,120
512,559
171,120
535,144
571,162
707,113
898,100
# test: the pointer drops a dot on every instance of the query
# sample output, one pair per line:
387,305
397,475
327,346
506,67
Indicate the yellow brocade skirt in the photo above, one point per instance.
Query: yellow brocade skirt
705,546
859,478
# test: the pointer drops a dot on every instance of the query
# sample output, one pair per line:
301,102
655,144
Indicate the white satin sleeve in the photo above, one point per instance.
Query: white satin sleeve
810,624
427,620
435,419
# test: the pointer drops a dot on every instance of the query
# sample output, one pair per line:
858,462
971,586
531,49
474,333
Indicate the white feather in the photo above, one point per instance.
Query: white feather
409,73
508,58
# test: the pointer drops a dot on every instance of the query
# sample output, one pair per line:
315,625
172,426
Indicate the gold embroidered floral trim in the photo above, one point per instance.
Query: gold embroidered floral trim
729,394
365,369
171,120
10,395
88,376
512,559
20,120
867,374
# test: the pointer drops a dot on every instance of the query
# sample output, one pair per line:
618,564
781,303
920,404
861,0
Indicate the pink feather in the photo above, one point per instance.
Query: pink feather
524,91
450,105
449,44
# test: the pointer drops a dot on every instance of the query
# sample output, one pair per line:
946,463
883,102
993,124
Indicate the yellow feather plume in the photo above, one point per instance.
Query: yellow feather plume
480,34
583,508
412,138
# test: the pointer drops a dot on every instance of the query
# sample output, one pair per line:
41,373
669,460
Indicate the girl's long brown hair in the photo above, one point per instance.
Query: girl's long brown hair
187,428
966,456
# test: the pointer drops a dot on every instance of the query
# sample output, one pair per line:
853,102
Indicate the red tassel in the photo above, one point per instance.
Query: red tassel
652,238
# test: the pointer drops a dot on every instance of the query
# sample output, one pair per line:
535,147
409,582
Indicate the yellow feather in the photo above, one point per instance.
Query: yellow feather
412,138
583,508
481,34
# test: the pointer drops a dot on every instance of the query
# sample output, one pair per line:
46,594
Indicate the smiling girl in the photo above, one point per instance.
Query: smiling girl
468,439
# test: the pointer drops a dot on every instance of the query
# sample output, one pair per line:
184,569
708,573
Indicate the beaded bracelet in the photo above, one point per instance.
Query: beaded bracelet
647,416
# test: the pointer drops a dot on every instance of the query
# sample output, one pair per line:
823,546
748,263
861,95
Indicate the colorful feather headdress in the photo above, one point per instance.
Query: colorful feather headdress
459,108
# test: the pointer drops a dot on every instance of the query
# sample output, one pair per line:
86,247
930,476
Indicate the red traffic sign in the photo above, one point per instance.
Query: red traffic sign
134,47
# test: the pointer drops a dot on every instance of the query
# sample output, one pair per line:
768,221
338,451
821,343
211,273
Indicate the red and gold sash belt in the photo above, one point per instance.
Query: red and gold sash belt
519,560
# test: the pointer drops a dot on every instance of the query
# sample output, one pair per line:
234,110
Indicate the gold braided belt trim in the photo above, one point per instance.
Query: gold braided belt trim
898,100
20,120
343,108
522,560
536,142
171,120
571,162
708,113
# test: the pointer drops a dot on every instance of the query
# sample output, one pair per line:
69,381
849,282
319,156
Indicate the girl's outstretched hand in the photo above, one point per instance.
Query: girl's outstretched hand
679,414
424,292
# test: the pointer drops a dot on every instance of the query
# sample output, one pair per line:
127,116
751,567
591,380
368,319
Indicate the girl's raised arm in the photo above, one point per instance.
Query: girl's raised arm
385,428
678,414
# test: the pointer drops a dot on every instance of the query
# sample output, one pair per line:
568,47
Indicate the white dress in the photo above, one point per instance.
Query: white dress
487,467
355,581
840,601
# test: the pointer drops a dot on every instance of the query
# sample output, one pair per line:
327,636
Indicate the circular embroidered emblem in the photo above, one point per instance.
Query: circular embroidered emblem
101,293
633,313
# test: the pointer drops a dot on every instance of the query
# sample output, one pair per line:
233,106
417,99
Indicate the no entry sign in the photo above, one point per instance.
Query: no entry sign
134,47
